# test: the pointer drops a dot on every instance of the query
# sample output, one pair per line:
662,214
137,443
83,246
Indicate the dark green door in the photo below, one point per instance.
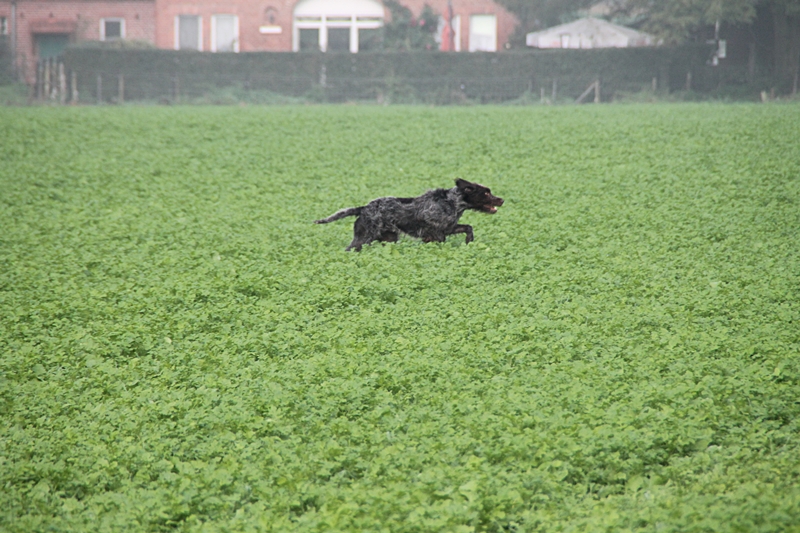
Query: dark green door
51,44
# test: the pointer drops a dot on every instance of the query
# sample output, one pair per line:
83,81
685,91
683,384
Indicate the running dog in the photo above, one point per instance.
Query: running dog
430,217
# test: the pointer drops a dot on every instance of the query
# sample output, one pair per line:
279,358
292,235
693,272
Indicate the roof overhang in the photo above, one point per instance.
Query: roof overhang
53,25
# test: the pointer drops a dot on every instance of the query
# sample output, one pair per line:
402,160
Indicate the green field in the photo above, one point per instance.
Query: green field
181,349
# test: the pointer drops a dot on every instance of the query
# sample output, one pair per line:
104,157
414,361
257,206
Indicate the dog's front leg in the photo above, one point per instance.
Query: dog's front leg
465,228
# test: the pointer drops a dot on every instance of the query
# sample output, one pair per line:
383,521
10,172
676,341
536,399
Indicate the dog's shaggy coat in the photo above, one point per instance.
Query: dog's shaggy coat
430,217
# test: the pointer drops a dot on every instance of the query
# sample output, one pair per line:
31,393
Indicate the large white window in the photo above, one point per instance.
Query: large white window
483,33
188,32
3,26
112,29
338,25
224,33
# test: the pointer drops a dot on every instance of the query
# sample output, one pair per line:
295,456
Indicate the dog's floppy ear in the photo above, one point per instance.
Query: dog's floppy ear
464,185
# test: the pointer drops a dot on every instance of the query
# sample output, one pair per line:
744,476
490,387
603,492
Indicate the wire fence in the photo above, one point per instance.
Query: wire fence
57,83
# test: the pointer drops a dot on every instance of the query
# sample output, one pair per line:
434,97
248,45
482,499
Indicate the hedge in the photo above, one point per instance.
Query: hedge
433,77
6,63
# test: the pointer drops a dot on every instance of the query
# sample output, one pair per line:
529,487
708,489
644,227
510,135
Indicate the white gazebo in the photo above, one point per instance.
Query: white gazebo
589,33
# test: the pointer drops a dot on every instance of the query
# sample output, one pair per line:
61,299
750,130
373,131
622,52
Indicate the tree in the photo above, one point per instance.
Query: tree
675,21
404,32
786,33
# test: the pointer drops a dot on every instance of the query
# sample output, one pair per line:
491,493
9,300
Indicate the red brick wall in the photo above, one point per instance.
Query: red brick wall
255,13
79,19
252,15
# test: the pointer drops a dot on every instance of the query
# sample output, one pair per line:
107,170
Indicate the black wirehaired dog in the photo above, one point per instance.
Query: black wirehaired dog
430,217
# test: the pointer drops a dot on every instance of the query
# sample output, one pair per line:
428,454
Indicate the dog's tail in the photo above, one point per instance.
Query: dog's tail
349,212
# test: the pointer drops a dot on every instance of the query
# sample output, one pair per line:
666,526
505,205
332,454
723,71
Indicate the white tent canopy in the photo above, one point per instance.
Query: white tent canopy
588,33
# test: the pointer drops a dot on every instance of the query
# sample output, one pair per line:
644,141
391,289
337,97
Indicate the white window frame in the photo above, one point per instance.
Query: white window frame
3,26
214,30
321,15
324,22
473,42
199,31
112,19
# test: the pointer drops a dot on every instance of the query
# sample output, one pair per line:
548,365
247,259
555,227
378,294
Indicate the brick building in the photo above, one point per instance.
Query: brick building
286,25
42,28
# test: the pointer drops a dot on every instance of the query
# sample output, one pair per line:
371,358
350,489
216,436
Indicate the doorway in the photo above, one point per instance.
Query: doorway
50,45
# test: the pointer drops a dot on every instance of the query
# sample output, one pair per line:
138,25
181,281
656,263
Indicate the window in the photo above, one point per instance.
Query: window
112,29
3,26
224,33
336,25
188,32
50,45
309,40
482,33
338,39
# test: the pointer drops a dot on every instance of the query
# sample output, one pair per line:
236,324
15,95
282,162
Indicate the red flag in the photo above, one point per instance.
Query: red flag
448,33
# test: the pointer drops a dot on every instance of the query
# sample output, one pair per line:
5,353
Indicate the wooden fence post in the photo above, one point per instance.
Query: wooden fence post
689,81
120,89
47,78
99,88
555,89
62,84
40,80
594,86
74,87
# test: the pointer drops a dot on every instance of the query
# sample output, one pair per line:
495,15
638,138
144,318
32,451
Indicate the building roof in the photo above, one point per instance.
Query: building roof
588,32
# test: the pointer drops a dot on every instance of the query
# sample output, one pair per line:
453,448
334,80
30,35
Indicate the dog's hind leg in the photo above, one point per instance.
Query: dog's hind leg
361,236
465,228
356,244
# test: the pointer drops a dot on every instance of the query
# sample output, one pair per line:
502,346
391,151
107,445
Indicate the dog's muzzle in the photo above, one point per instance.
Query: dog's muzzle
492,207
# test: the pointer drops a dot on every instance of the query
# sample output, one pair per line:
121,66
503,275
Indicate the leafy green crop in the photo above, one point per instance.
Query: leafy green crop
182,349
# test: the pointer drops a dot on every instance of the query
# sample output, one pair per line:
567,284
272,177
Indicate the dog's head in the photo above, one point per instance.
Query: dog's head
478,197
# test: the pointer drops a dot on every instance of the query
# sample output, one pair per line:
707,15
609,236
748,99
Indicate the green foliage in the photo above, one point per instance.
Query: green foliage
115,44
675,21
404,32
6,62
239,95
13,94
181,349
